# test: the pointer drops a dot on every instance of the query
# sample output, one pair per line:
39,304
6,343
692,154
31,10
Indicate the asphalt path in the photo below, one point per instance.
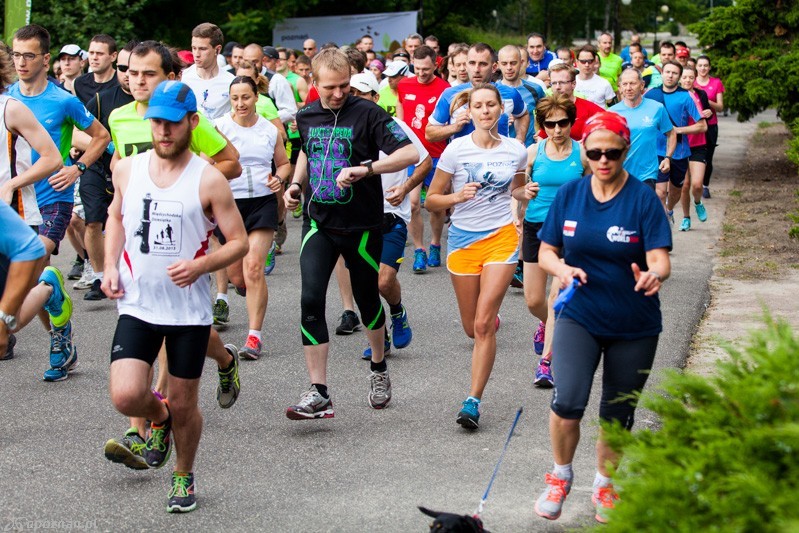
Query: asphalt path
363,470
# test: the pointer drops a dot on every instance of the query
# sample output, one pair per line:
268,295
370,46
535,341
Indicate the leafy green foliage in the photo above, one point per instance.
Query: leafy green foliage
727,456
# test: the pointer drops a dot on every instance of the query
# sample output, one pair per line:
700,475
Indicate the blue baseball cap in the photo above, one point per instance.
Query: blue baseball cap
170,101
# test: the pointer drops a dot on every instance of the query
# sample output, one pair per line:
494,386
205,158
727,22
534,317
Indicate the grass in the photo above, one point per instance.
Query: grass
766,124
736,194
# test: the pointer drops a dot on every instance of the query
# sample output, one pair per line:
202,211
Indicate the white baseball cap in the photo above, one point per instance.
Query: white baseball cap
365,82
395,68
71,50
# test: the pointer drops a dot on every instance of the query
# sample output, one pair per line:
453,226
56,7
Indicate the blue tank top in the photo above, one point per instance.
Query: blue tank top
550,175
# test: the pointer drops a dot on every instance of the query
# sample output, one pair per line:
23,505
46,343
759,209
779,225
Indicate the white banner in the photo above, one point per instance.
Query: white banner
387,29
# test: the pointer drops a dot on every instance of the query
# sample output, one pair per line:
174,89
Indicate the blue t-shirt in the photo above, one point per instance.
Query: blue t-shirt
648,122
18,242
534,67
604,239
531,93
550,175
625,53
58,111
680,108
512,104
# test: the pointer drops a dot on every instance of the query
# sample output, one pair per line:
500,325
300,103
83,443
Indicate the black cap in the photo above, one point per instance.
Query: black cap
227,51
271,52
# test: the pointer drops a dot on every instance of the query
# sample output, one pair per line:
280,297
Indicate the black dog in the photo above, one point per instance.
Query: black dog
453,523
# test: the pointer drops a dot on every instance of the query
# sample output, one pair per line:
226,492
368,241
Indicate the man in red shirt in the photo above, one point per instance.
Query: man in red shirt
563,79
418,97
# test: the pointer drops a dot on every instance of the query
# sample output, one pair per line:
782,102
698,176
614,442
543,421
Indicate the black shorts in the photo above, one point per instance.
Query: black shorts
677,170
96,193
296,146
698,154
186,346
257,213
530,241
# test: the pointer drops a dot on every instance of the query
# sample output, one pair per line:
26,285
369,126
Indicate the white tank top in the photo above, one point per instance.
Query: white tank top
15,158
256,146
163,226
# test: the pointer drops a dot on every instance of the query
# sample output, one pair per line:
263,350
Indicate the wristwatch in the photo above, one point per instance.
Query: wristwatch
10,320
368,165
81,167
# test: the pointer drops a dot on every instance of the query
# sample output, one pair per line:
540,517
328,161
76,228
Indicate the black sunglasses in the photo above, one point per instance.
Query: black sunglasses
586,61
122,68
614,154
550,124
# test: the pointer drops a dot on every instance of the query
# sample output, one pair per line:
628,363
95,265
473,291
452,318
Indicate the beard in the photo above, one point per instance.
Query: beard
179,145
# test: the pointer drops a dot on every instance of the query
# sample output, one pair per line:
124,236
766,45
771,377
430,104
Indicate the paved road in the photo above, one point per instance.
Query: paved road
364,470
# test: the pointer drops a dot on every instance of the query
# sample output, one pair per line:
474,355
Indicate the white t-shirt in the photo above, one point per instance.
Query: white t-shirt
256,146
596,89
494,169
394,179
533,79
213,96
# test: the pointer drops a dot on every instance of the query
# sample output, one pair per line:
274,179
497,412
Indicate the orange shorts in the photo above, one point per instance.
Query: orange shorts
470,251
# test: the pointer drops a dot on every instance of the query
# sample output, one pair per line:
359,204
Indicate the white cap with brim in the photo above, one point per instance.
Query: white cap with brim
365,82
395,68
71,50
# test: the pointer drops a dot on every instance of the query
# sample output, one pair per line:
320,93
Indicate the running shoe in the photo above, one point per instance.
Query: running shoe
686,224
419,261
435,256
63,354
469,416
158,446
76,272
311,405
498,322
701,212
422,195
670,216
181,495
12,341
297,213
401,330
241,291
543,375
379,389
280,236
270,260
127,450
228,389
59,305
278,249
349,323
251,349
517,281
367,353
95,293
86,280
221,313
538,338
550,503
604,498
705,192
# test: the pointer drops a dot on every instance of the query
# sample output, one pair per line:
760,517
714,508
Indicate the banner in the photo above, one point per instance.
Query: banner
387,29
17,14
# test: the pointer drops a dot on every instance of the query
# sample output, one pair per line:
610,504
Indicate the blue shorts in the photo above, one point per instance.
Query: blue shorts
394,244
676,174
56,221
429,178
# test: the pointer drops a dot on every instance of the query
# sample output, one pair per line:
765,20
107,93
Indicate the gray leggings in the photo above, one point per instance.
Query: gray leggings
576,355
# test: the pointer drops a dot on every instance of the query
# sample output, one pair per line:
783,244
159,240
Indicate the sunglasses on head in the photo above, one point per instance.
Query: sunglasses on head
614,154
122,68
550,124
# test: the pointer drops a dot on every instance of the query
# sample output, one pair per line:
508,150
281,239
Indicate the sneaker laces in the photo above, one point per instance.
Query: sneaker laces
308,399
252,342
157,440
606,496
379,380
180,485
557,488
59,340
225,379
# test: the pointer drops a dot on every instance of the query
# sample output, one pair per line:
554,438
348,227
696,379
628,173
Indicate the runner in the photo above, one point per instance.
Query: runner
539,57
102,54
715,93
343,211
258,194
594,88
613,239
609,63
209,82
564,82
483,169
698,158
70,60
510,64
182,194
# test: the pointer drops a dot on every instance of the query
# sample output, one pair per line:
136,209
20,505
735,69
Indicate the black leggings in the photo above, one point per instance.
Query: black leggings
576,354
318,256
712,137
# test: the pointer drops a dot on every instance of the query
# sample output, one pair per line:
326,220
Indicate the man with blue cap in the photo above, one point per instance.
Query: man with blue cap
167,202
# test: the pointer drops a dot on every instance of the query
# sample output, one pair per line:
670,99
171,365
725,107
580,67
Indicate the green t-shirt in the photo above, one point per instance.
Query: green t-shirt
292,79
266,108
388,100
610,68
132,135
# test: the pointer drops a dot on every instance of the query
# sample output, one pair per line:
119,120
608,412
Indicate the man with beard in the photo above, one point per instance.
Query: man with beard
178,191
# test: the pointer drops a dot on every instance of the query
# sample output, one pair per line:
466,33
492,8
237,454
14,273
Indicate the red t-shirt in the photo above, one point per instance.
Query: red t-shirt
585,110
313,94
418,102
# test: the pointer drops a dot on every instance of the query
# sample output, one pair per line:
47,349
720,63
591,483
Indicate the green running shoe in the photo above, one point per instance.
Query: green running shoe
181,495
127,450
59,305
159,443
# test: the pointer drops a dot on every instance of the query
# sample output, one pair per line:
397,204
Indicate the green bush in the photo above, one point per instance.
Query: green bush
727,455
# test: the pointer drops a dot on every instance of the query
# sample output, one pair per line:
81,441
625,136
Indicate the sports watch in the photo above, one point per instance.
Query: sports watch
368,165
81,167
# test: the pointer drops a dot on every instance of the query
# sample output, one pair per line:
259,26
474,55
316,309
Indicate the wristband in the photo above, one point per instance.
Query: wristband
297,184
653,273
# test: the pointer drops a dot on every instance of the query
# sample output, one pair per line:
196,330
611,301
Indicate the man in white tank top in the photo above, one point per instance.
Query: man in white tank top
165,205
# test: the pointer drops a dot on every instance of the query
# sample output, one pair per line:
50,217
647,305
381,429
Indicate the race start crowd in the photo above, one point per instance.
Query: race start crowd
166,167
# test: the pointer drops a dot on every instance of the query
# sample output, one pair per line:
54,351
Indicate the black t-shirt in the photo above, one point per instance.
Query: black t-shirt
360,131
101,106
86,87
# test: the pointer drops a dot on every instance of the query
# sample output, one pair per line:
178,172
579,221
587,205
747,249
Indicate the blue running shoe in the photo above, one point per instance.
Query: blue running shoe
63,354
543,375
701,212
517,281
435,256
670,216
419,261
686,224
401,330
59,305
706,191
538,338
469,416
367,353
270,260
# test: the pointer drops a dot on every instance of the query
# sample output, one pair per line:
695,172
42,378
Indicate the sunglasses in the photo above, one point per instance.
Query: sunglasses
122,68
550,124
614,154
585,61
